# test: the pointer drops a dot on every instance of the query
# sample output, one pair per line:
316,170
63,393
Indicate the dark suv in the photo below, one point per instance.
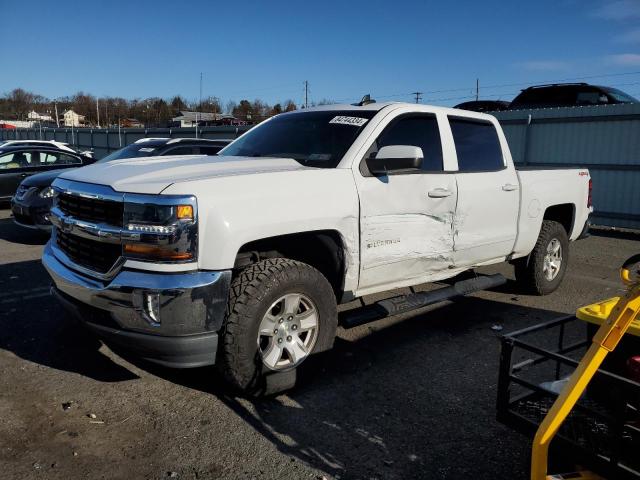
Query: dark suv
568,95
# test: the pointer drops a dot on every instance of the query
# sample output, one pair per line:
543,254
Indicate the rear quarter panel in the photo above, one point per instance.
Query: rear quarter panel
541,189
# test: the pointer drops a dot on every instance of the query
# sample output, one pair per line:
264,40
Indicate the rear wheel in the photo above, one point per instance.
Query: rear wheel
543,270
280,312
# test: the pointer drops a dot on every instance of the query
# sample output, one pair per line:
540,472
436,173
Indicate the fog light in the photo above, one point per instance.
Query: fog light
147,303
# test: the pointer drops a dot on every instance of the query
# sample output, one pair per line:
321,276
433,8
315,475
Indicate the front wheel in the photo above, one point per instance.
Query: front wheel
280,312
543,270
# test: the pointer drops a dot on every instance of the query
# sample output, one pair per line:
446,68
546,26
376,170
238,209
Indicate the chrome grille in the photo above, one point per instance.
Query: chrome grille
97,256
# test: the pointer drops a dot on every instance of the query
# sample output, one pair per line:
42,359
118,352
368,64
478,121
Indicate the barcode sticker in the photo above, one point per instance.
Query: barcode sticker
355,121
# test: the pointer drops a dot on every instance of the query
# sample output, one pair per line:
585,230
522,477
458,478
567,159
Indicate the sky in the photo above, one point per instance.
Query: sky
344,49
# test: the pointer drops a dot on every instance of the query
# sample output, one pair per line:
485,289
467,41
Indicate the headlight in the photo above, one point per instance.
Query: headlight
47,192
165,232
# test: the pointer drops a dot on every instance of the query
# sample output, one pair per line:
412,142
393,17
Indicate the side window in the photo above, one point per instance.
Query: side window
64,159
182,151
418,131
55,158
8,162
18,160
477,146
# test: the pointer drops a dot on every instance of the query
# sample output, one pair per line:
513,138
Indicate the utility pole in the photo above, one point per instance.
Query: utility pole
98,111
418,96
477,88
306,94
199,106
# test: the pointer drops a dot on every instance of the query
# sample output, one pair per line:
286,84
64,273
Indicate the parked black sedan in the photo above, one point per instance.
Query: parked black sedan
19,162
34,196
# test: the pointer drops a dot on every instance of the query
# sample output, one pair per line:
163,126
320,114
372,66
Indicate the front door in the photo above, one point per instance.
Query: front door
14,167
406,218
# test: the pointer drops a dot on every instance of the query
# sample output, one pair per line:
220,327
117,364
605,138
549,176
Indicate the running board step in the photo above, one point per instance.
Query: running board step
406,303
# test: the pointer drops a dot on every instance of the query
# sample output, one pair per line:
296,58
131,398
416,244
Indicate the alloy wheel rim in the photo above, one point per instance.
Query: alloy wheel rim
552,260
288,331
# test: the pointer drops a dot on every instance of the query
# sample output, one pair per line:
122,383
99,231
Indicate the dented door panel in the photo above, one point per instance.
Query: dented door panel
405,233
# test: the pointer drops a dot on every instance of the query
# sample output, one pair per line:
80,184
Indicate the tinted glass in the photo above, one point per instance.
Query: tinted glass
619,95
315,139
546,97
9,161
591,97
19,160
182,151
131,151
420,132
55,158
210,150
477,146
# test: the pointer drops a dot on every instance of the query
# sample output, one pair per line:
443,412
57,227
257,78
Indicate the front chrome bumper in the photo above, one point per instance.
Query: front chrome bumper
186,305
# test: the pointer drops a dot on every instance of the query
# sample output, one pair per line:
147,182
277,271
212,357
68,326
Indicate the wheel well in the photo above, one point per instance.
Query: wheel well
563,214
322,249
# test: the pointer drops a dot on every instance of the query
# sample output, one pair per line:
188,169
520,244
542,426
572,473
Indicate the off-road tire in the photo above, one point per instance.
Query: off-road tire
530,270
253,290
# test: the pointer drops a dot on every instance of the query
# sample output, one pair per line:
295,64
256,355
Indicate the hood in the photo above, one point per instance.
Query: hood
44,179
154,174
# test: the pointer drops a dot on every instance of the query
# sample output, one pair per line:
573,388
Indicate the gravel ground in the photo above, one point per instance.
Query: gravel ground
410,397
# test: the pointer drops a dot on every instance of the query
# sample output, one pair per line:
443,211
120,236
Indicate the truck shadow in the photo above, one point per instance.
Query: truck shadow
34,327
399,400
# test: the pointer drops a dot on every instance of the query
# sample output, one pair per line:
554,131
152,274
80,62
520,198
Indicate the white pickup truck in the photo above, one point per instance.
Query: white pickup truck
240,260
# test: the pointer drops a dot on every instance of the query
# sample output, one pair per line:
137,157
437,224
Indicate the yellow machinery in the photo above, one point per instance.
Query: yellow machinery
548,387
618,315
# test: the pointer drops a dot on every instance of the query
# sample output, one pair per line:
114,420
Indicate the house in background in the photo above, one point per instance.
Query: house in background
38,117
202,119
72,119
130,123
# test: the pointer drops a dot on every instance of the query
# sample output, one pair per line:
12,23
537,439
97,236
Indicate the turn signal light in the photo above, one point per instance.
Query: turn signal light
184,212
155,252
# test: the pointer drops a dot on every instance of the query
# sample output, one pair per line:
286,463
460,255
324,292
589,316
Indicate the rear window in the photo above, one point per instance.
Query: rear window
477,145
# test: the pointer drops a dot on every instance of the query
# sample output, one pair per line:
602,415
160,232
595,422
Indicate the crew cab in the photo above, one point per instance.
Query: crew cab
240,260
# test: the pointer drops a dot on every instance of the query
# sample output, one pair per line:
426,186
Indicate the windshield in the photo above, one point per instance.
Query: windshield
131,151
315,139
619,95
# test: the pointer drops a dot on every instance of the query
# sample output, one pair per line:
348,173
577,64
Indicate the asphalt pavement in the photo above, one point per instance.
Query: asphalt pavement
408,397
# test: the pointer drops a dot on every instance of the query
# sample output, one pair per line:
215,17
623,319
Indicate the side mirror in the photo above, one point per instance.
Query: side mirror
396,158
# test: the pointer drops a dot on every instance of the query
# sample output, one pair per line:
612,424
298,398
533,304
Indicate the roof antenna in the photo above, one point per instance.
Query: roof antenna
366,100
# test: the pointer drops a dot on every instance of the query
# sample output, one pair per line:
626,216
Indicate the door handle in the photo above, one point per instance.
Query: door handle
23,175
509,187
439,193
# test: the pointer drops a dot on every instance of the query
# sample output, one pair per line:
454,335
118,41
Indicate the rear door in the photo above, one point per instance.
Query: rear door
406,218
488,194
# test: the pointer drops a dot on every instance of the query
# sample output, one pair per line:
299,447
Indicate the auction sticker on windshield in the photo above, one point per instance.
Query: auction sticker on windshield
344,120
